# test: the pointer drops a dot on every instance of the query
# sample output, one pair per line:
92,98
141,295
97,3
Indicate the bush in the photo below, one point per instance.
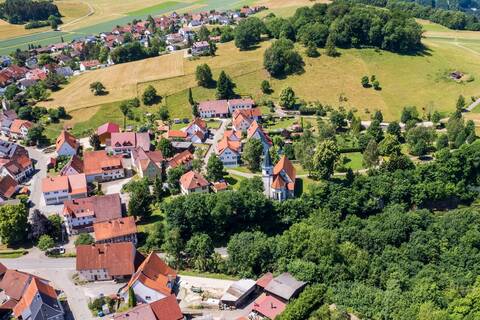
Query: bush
45,242
84,238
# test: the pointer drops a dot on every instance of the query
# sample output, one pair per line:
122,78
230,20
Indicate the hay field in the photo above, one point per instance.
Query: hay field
120,80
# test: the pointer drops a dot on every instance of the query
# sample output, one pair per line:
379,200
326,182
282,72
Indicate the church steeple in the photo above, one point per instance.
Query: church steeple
267,167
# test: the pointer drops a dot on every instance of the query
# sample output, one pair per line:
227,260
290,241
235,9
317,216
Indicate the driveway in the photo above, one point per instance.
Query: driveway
216,137
41,160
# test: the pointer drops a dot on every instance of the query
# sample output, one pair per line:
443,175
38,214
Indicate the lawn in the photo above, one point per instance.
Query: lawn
12,254
280,123
214,124
353,160
234,180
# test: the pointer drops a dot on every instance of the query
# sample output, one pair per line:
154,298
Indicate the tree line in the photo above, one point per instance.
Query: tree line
21,11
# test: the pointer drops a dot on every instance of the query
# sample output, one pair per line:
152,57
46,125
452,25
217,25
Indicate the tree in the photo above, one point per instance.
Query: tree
158,191
165,146
394,129
84,239
212,48
13,223
56,223
97,88
324,159
370,155
225,86
173,177
312,51
150,96
376,85
287,98
375,131
389,145
190,97
460,103
11,91
39,225
195,111
174,246
94,141
308,301
265,87
199,249
126,111
45,242
409,113
132,299
281,59
203,75
252,154
337,119
163,113
203,34
442,142
365,82
330,48
214,168
248,32
140,199
420,140
436,117
378,116
37,92
35,135
155,237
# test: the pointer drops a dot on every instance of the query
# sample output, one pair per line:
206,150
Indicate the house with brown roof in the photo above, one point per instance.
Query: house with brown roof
228,150
183,158
176,135
19,166
100,166
73,166
255,131
106,261
165,309
278,181
243,118
116,230
193,182
147,163
19,128
66,144
125,142
154,280
8,187
105,131
79,215
60,188
219,186
39,301
196,130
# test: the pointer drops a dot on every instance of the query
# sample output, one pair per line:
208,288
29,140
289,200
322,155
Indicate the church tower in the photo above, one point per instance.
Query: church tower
267,173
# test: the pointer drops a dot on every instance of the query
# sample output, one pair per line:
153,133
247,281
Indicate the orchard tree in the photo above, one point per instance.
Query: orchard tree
281,59
252,154
287,98
13,223
324,159
248,32
330,48
165,146
365,82
97,88
150,96
265,86
190,97
140,199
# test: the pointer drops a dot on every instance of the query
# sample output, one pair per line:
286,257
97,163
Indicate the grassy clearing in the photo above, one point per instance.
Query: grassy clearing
354,160
234,180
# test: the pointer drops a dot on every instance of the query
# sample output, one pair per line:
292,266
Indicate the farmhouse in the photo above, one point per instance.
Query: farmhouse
89,65
278,181
268,306
147,163
255,131
200,48
66,144
285,287
223,108
105,131
99,166
19,128
73,166
228,151
183,158
125,142
154,280
80,214
116,230
60,188
106,261
193,182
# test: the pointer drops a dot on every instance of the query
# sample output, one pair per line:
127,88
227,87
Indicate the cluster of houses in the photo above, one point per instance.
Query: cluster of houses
27,296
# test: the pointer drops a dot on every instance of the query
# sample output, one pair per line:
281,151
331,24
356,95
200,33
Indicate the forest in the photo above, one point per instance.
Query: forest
22,11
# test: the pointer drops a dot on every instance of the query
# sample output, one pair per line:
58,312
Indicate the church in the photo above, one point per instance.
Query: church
278,180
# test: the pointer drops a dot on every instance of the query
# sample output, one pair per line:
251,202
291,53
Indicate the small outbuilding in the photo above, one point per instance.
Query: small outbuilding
238,293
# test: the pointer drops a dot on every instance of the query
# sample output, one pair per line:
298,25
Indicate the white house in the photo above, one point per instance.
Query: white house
66,144
228,151
193,182
60,188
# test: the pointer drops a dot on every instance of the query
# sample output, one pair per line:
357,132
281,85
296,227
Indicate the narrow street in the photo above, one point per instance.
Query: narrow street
214,141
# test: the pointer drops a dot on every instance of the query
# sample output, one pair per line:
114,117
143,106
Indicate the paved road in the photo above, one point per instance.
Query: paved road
473,105
217,136
41,161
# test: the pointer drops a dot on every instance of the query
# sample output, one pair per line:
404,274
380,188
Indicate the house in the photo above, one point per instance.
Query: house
79,215
233,135
8,188
116,230
240,104
219,186
176,135
268,306
19,166
125,142
255,131
154,280
105,131
180,146
6,119
39,301
89,65
66,144
100,166
213,109
197,130
285,287
73,166
193,182
19,128
147,163
238,293
200,48
183,158
60,188
164,309
279,181
36,75
64,71
228,151
243,118
106,261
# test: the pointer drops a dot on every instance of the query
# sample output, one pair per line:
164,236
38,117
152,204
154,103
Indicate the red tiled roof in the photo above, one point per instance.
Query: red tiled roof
181,158
192,180
114,228
167,308
214,106
17,124
175,134
96,161
230,144
15,282
268,306
140,312
104,207
117,258
264,280
90,63
254,127
108,127
285,165
36,286
75,184
76,163
66,137
8,186
220,186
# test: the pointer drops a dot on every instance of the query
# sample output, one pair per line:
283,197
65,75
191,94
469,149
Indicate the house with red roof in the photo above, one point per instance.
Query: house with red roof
193,182
243,118
66,144
106,261
19,128
176,135
268,306
164,309
213,109
57,189
116,230
255,131
105,131
36,74
19,166
8,188
183,158
197,130
228,150
100,166
147,163
79,215
154,280
278,181
89,65
73,166
125,142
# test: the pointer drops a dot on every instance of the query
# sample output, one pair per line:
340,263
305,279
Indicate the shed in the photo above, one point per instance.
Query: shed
285,287
238,292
